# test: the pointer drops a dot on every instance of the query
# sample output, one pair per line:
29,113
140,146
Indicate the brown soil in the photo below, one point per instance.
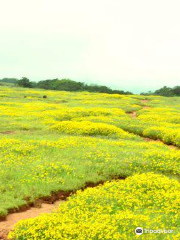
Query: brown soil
13,218
173,147
150,140
133,114
8,132
158,140
145,101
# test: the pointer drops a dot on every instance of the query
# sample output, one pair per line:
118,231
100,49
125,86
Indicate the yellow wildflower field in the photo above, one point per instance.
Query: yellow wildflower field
70,140
112,211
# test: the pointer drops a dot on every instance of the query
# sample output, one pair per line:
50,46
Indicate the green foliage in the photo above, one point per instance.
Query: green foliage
165,91
24,82
73,86
9,80
62,85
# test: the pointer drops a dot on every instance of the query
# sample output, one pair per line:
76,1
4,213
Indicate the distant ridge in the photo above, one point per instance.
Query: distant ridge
63,85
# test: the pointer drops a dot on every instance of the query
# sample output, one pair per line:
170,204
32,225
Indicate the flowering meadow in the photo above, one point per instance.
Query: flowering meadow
52,141
111,211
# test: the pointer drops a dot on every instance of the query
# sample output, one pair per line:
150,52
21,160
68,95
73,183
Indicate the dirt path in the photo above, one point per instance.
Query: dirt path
44,205
13,218
134,115
152,140
8,132
145,100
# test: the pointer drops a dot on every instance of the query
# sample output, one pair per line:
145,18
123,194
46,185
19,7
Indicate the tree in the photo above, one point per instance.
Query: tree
24,82
176,90
165,91
68,85
9,80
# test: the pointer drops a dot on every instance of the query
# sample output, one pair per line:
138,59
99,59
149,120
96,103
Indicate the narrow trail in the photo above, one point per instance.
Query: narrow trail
134,115
30,210
7,225
44,205
152,140
7,132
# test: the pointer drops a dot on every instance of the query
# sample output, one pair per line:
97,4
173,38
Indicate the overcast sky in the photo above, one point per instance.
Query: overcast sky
126,44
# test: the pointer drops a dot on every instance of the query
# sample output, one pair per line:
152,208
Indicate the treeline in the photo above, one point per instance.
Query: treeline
165,91
62,85
9,80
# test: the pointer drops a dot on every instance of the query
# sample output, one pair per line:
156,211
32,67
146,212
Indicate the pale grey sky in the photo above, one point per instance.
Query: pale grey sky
124,44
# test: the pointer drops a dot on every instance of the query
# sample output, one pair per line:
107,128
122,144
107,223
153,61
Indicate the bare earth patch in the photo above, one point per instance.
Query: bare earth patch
145,101
12,219
8,132
158,140
133,114
44,205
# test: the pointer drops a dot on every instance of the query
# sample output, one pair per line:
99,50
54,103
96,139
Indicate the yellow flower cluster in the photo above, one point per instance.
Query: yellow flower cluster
90,128
111,211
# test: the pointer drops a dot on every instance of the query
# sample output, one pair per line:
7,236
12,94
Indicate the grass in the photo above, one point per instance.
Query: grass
33,167
112,211
68,139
